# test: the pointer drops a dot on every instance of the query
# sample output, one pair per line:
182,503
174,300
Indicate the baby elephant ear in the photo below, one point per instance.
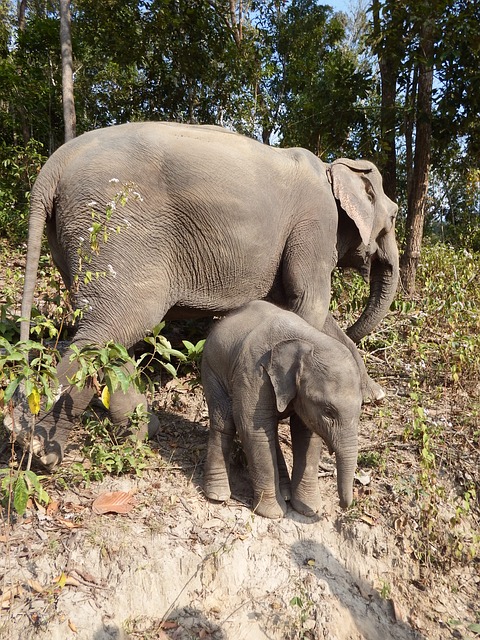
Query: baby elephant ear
284,366
354,190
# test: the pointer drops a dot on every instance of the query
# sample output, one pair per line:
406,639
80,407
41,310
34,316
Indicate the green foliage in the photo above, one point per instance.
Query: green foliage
37,376
19,166
17,487
432,343
112,360
109,454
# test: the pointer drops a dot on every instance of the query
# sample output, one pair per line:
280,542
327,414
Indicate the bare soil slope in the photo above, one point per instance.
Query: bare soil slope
178,566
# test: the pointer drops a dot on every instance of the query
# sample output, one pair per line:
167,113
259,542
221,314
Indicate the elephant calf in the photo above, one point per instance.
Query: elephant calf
261,364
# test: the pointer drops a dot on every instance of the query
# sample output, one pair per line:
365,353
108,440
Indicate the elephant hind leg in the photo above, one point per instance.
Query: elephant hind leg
216,483
52,428
123,404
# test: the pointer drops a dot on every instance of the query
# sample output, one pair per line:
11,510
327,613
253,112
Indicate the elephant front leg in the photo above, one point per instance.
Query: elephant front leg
306,447
259,440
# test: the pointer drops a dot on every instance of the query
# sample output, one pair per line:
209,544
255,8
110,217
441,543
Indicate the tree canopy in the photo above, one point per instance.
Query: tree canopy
396,82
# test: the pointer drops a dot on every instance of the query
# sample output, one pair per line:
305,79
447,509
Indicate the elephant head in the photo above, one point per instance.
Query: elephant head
323,387
366,237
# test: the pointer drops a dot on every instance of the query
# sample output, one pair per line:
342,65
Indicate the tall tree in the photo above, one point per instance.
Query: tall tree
69,117
389,42
418,186
410,75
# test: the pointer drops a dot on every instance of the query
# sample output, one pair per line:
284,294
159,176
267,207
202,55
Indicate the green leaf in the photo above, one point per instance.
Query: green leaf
158,329
296,601
170,368
11,388
475,627
20,495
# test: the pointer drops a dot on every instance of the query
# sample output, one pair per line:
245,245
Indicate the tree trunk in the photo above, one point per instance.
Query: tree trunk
418,194
389,51
69,117
388,74
21,9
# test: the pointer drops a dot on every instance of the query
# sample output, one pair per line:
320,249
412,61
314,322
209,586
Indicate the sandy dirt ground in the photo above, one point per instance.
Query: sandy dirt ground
179,566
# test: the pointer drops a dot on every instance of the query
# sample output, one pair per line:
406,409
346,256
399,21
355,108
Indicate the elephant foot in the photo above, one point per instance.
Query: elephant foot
269,507
147,428
372,391
47,443
307,501
216,492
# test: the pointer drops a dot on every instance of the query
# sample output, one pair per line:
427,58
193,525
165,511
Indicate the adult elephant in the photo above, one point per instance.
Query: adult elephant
213,220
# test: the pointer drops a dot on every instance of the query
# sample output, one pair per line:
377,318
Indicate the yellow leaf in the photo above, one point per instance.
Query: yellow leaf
61,580
34,402
106,397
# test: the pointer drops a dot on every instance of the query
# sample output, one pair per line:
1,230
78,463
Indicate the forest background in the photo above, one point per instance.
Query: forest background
393,81
396,82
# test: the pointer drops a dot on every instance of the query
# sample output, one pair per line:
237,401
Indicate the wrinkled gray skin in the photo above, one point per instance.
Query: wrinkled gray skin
222,220
261,364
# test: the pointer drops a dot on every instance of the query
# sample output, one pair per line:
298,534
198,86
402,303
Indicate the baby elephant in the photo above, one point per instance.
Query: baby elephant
261,364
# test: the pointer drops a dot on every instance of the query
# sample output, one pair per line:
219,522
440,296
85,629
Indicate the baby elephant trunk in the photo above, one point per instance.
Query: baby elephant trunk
346,459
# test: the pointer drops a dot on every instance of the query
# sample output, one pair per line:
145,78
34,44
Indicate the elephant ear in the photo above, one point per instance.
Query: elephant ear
355,192
284,365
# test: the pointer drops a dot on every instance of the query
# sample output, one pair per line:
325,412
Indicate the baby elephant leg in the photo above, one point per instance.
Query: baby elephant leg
216,484
306,447
260,443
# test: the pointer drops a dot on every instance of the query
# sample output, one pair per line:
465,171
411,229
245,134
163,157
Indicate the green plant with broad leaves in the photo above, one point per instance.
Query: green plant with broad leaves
17,486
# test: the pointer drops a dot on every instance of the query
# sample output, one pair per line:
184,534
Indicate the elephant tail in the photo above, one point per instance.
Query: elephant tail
42,202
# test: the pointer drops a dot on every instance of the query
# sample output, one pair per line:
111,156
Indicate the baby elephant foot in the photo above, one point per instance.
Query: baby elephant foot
306,500
217,490
269,507
372,391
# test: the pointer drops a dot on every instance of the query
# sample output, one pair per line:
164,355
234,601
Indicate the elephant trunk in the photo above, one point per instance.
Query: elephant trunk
384,275
346,460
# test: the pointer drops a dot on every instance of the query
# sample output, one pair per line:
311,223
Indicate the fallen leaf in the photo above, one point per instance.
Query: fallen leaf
398,611
370,520
64,580
35,586
113,502
52,507
363,478
39,506
67,523
73,507
169,624
72,626
177,385
7,596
